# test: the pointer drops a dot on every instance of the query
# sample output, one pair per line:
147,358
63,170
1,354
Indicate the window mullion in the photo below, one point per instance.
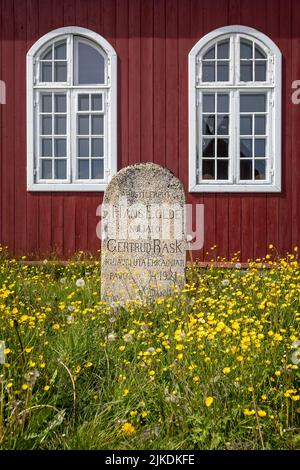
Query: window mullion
36,166
70,61
232,59
199,100
235,135
71,140
270,150
236,58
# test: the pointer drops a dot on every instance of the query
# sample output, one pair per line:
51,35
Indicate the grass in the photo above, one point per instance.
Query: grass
209,368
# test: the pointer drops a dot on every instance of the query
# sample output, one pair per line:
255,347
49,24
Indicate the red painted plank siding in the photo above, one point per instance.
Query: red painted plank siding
146,105
285,201
134,85
172,85
295,135
32,199
152,39
159,82
8,126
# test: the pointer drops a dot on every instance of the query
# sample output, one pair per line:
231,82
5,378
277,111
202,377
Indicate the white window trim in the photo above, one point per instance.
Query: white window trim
253,186
111,112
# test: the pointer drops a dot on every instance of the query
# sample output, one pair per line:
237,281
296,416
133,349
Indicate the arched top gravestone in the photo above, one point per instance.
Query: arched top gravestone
143,239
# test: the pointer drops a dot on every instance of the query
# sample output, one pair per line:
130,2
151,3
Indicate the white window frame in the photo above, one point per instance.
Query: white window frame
110,104
273,83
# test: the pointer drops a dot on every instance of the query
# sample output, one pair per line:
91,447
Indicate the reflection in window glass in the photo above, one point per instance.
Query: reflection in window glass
215,63
253,125
90,65
215,124
236,98
253,62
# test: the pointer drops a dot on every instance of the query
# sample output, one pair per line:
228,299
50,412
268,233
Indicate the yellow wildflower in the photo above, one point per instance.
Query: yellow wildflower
209,401
128,429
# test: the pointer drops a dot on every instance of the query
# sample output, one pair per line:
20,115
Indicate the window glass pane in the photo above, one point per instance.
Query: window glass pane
97,125
46,71
60,69
208,103
208,169
46,147
46,169
208,148
60,169
96,102
83,125
246,50
246,72
210,54
91,65
260,170
60,125
208,71
60,103
60,148
46,103
83,103
83,169
253,103
223,71
222,148
223,104
223,50
97,169
222,170
260,125
260,71
260,148
259,53
246,125
246,169
97,148
208,125
83,148
223,122
47,54
60,50
246,148
46,125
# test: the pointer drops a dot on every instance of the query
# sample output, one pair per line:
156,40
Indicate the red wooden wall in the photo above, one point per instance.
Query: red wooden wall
152,39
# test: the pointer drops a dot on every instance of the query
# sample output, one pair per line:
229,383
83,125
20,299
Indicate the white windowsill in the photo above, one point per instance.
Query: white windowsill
63,187
236,188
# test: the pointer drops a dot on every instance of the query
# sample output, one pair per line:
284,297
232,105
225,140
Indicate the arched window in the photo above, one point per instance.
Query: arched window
235,112
71,111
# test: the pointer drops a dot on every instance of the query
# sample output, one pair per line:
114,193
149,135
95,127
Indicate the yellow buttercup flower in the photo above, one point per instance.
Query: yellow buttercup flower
295,397
128,429
209,401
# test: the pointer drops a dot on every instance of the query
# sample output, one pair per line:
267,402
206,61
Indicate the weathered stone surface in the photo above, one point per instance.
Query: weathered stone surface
143,249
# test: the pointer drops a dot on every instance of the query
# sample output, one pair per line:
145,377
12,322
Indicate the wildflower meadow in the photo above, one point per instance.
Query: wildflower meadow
214,366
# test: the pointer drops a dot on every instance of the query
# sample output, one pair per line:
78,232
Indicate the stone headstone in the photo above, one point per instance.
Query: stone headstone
143,240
